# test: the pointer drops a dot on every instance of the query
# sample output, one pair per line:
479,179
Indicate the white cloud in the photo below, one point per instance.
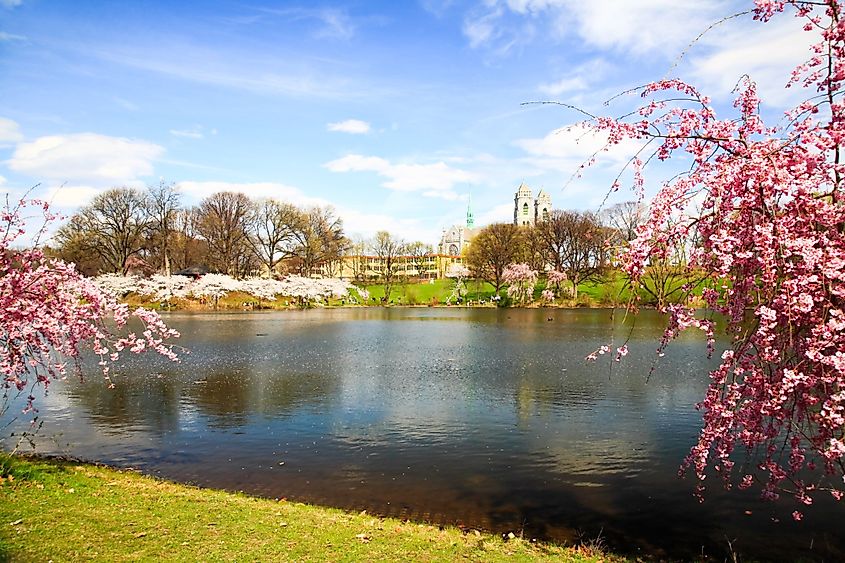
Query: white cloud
194,133
583,77
11,37
357,223
86,158
767,53
570,84
126,104
502,213
71,196
200,190
574,145
437,178
482,28
10,3
10,132
639,27
353,126
2,180
232,69
336,24
643,26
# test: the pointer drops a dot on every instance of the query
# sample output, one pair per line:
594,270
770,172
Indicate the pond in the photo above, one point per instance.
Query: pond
484,418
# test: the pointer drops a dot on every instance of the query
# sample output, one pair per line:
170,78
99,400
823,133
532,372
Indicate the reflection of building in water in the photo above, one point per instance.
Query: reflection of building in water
530,211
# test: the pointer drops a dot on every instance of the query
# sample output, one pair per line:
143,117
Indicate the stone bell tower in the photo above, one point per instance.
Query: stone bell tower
542,207
523,206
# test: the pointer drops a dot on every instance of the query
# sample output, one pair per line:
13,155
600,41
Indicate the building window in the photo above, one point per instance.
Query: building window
525,209
545,214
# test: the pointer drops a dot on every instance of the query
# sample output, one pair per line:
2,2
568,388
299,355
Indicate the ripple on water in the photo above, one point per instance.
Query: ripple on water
487,418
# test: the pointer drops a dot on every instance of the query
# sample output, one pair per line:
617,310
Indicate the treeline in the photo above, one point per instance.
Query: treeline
151,231
579,246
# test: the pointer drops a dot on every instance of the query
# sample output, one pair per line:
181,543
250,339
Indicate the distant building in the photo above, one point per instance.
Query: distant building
530,211
456,238
450,251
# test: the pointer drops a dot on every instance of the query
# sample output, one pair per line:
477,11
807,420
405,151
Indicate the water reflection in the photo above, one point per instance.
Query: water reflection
490,418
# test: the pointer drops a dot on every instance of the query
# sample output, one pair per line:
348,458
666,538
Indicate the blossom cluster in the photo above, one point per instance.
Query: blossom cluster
49,313
521,279
771,226
215,286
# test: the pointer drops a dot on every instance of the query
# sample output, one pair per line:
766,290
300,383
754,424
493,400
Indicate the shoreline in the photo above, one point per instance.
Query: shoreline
107,513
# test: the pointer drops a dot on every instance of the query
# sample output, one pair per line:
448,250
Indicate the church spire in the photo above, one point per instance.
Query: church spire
470,218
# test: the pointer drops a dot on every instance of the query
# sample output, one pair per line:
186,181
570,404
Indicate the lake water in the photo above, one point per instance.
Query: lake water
484,418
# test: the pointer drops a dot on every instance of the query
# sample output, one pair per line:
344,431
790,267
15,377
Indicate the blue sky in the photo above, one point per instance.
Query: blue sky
393,112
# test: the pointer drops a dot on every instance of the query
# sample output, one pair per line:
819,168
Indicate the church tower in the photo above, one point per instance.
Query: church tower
542,207
470,217
523,206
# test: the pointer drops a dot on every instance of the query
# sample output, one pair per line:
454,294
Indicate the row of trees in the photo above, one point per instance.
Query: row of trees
579,244
391,253
228,232
150,231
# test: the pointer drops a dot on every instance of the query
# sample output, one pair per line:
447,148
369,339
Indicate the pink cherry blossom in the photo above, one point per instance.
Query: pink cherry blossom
49,314
771,224
521,280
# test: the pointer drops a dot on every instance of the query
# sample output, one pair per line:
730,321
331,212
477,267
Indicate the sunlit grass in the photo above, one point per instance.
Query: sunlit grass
64,511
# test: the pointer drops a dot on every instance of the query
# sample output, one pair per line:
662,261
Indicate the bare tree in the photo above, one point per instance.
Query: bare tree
72,244
576,244
273,229
321,241
188,248
222,222
388,250
492,249
112,227
356,253
625,217
536,253
419,254
163,203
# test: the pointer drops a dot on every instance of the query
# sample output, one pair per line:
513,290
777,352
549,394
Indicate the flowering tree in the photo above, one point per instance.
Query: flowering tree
164,288
116,284
521,280
213,286
308,290
49,313
554,281
457,272
363,294
771,226
264,289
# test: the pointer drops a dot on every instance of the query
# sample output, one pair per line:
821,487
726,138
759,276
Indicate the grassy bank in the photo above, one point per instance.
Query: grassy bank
63,511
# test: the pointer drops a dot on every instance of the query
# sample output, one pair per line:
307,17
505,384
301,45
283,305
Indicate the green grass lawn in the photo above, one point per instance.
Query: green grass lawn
425,293
65,511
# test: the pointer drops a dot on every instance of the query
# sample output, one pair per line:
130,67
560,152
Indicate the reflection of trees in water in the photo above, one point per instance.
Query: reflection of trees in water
230,397
225,397
147,401
284,394
539,398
